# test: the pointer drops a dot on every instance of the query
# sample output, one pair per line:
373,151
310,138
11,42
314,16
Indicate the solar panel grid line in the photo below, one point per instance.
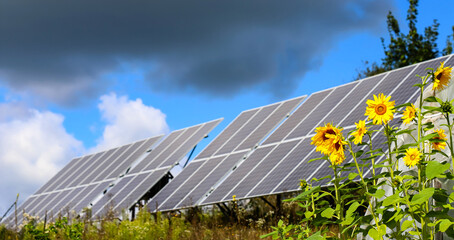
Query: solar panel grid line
176,156
72,200
58,175
118,161
305,117
108,196
112,197
358,105
122,167
270,123
37,207
216,153
112,159
214,174
224,186
262,168
136,192
151,158
70,177
51,202
328,104
185,137
153,143
168,151
234,126
193,175
174,184
337,105
89,196
229,194
79,163
275,166
248,128
77,180
267,184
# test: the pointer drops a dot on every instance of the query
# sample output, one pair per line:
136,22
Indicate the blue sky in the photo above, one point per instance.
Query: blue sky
72,76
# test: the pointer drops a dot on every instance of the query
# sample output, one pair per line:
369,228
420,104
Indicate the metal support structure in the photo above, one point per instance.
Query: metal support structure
189,157
268,202
278,205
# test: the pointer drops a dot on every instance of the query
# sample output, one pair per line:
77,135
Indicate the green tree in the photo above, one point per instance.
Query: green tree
406,49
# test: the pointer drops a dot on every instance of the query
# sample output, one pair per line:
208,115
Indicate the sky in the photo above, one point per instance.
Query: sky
82,76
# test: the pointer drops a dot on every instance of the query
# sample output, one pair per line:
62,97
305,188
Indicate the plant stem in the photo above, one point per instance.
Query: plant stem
373,159
338,203
450,142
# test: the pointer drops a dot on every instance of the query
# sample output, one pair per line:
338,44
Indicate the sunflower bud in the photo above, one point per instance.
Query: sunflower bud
446,107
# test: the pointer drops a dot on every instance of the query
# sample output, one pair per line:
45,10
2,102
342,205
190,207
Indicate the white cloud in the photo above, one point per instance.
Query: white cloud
34,145
128,120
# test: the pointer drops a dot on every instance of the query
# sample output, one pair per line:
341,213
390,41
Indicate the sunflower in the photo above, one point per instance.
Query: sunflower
338,155
409,114
380,109
325,137
442,77
360,131
441,136
412,157
330,142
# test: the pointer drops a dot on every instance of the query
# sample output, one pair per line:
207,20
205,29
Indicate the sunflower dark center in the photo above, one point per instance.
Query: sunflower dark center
439,76
380,109
330,131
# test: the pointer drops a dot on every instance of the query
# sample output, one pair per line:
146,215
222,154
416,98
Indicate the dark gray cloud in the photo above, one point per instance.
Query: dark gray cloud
61,49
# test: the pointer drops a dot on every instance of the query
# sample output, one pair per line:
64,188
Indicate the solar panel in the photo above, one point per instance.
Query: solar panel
215,175
80,173
136,183
227,133
253,130
230,182
300,114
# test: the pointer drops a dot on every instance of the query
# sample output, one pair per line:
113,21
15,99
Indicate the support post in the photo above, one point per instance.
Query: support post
268,202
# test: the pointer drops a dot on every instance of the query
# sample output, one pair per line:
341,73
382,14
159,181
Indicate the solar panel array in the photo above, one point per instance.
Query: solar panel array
279,163
263,151
73,187
82,180
221,155
138,181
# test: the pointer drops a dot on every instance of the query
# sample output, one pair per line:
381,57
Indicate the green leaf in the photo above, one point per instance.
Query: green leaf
422,196
316,236
445,224
352,175
328,213
378,194
435,168
377,234
280,223
308,214
407,224
391,199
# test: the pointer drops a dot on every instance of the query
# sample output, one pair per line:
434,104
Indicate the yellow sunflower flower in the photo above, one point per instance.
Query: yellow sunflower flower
330,142
338,156
380,110
409,114
442,77
360,131
325,137
412,157
441,136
